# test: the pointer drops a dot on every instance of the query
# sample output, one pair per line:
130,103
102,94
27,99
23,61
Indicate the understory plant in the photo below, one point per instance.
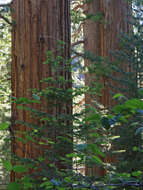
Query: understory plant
63,140
128,76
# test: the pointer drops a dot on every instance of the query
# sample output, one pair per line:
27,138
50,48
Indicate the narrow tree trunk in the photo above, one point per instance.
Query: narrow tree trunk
100,38
39,24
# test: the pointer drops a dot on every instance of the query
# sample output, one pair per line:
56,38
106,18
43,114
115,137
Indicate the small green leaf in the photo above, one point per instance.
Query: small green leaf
61,188
47,185
117,96
41,143
137,173
41,159
28,185
71,155
20,169
4,126
52,165
24,100
29,138
14,186
68,179
98,160
135,148
7,165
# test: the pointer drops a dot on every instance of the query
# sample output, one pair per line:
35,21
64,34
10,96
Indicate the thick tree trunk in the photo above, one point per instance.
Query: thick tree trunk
101,38
39,24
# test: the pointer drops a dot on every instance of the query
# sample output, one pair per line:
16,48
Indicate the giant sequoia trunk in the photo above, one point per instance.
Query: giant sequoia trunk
100,38
38,25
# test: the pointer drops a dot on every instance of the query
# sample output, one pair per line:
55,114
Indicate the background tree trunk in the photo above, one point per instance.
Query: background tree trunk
100,38
39,24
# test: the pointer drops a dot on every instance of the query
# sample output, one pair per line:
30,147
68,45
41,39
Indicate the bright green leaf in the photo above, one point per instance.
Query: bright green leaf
117,96
4,126
7,165
14,186
97,159
20,169
137,173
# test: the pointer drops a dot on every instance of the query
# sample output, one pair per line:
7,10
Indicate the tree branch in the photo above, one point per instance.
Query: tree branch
77,54
5,19
78,42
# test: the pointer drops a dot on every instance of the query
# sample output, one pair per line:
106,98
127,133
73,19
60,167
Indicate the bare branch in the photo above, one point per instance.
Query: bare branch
5,19
78,54
74,57
78,42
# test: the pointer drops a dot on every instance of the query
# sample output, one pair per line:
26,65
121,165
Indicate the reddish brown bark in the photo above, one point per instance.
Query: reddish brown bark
100,38
38,26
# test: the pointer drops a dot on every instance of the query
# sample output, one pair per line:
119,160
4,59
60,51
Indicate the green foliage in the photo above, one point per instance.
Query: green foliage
14,185
124,119
7,165
4,126
69,140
